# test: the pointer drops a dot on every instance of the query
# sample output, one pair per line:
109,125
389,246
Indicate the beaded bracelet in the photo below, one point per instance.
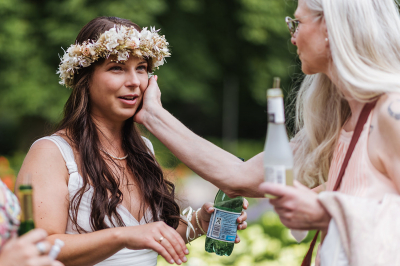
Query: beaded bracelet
198,224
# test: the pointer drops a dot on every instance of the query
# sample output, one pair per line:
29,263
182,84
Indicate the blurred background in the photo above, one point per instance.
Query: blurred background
225,54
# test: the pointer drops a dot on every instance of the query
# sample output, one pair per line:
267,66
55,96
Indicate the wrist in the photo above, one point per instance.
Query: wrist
152,116
120,237
202,223
325,219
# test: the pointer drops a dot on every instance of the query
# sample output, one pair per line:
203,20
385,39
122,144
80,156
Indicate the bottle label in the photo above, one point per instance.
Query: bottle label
223,225
275,110
275,174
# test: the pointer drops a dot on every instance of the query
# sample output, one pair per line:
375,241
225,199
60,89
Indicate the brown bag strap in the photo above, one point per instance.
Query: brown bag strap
356,135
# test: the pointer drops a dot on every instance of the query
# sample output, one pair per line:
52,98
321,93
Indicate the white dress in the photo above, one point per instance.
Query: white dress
124,257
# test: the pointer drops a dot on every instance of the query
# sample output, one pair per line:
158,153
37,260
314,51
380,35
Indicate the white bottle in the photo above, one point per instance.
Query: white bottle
278,156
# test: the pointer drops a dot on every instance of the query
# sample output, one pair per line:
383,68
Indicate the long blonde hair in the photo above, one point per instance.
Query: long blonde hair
364,39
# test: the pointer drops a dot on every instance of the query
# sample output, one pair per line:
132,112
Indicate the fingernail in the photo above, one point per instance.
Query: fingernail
184,259
239,220
210,209
179,262
186,251
172,261
156,77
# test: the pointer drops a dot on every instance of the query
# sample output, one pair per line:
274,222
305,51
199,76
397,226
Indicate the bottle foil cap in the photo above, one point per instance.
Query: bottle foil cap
274,92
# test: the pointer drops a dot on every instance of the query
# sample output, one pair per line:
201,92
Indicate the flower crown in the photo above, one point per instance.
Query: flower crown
121,41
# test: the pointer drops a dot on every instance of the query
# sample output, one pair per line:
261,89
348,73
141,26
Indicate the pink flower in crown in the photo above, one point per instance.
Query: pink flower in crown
85,50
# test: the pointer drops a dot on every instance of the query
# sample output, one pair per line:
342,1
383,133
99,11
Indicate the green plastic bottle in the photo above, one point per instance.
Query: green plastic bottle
222,229
25,200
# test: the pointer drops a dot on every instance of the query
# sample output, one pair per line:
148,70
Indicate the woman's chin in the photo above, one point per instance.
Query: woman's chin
123,116
307,70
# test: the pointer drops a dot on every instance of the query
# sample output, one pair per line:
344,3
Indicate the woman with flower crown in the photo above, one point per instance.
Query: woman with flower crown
97,184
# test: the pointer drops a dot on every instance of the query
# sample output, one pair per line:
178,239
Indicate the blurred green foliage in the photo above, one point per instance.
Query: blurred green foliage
210,41
266,242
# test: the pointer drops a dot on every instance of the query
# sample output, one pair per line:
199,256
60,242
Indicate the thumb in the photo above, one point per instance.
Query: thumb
299,185
206,210
273,189
208,207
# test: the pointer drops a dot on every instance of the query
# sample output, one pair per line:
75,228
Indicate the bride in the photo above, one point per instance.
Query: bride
97,184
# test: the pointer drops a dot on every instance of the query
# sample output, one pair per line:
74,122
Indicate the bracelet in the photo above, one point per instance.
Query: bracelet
198,224
187,214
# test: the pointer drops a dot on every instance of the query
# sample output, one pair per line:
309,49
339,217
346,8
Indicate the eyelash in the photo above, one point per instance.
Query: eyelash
143,67
115,68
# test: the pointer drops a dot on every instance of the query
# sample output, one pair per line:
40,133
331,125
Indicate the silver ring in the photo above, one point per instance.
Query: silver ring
161,239
41,248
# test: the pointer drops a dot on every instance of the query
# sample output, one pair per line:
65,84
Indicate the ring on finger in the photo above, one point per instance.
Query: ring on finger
161,239
41,248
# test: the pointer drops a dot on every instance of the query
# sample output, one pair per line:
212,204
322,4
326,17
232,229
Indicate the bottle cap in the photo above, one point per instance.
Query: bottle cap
275,91
277,83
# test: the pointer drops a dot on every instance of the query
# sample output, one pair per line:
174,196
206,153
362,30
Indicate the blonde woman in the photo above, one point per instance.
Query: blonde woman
350,52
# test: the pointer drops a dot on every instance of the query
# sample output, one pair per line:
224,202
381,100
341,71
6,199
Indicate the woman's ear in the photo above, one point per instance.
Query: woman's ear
324,31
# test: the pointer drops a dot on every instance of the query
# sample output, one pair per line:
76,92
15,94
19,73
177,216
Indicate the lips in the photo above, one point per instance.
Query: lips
129,99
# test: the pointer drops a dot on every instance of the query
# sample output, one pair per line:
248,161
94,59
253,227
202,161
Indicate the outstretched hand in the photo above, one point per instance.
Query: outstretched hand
151,101
298,207
207,209
24,251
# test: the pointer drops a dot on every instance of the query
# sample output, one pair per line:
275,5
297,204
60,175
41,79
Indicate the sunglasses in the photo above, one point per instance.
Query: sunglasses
292,24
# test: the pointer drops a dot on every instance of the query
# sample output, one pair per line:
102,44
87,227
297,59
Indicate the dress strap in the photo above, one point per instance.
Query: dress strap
66,152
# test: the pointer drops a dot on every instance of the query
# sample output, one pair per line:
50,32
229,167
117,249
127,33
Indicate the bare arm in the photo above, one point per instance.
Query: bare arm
384,141
51,204
210,162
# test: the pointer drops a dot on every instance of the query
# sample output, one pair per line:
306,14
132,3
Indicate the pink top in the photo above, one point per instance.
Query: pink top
361,177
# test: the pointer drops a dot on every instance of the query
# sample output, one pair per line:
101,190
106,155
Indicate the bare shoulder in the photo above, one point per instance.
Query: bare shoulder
387,113
387,121
44,161
45,151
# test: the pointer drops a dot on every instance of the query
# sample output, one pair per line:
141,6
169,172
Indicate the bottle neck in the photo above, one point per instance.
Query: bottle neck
25,198
276,113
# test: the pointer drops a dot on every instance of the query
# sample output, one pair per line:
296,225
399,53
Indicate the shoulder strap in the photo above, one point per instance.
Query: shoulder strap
362,119
66,152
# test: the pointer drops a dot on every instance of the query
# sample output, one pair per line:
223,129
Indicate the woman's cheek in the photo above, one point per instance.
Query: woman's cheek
143,85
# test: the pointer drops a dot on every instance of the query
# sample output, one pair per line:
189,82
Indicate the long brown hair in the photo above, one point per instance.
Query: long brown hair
156,192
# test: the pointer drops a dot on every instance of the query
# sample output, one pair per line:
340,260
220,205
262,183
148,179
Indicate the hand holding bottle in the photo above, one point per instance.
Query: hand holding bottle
207,209
298,207
30,249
